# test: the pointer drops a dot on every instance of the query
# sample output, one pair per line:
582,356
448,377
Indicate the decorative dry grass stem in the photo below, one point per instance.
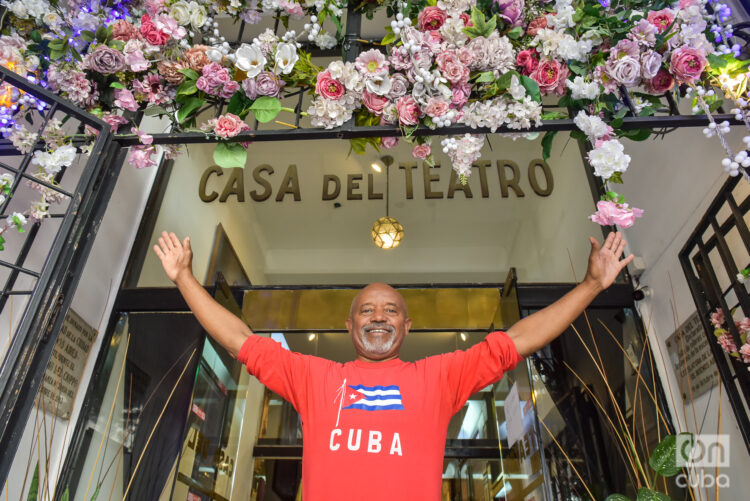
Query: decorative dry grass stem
31,454
109,418
145,447
567,458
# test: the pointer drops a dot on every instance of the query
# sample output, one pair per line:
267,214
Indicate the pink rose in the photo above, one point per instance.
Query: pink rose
466,18
431,18
551,75
687,64
329,87
436,107
151,33
528,60
743,326
611,213
650,64
661,19
421,151
229,125
373,102
388,142
460,94
661,83
745,352
452,68
408,111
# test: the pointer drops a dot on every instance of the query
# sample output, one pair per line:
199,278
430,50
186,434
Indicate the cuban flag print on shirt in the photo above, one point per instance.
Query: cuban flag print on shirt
373,398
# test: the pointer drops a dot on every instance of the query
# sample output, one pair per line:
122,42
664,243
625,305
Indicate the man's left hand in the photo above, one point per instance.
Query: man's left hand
604,261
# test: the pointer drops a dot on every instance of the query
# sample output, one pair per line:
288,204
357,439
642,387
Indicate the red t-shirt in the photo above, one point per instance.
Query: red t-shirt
376,431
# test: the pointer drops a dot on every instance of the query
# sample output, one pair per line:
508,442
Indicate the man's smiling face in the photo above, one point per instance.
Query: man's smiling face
378,323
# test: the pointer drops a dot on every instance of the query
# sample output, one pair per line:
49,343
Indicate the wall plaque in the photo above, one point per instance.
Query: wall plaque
692,359
63,373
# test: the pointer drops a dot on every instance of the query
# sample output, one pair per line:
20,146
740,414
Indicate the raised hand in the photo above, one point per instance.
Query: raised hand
604,261
176,257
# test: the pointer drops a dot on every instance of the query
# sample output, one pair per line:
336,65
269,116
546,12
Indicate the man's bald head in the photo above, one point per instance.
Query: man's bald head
378,322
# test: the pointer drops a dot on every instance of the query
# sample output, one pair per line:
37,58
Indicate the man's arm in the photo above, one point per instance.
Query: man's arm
537,330
222,325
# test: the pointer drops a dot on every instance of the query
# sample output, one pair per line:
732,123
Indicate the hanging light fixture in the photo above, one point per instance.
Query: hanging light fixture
387,232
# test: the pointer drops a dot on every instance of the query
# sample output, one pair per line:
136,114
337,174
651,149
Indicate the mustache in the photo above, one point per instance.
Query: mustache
378,326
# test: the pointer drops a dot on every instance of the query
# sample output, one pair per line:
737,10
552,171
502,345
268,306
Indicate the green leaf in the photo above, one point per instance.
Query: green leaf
76,55
504,81
117,85
532,88
154,110
66,494
487,76
617,497
577,68
187,88
663,459
2,242
615,178
515,33
547,144
645,494
96,493
388,39
34,487
55,54
357,146
189,73
190,107
89,36
266,108
116,44
101,34
554,115
239,104
637,134
716,61
229,155
36,36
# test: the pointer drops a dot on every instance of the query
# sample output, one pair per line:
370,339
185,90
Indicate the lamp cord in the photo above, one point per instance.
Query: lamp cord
387,187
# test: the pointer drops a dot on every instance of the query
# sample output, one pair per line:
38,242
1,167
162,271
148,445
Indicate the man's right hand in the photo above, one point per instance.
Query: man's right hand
176,257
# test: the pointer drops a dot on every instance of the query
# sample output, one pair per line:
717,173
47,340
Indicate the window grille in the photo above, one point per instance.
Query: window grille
711,259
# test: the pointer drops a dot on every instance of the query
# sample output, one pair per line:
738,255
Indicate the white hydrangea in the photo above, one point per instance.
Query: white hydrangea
456,6
570,48
453,31
347,74
563,19
546,42
522,115
325,40
609,158
591,125
329,113
53,162
581,89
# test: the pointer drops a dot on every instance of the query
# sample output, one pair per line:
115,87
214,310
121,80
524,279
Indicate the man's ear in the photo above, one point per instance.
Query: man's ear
407,324
349,324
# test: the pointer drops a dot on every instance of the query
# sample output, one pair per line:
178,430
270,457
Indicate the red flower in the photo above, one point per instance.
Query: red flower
151,33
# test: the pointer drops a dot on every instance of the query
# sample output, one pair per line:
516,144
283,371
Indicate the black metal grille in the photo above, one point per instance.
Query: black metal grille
40,268
711,259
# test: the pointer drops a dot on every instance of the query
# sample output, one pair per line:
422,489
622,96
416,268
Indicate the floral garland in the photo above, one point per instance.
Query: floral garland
479,63
725,339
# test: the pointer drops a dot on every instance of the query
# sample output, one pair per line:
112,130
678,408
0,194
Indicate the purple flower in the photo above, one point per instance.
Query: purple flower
511,11
250,88
105,60
268,84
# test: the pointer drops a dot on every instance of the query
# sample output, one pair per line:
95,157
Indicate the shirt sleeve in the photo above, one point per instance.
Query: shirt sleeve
466,372
282,371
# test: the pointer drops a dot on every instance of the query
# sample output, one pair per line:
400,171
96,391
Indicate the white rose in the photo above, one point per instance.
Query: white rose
198,17
214,55
286,57
52,19
609,158
64,155
250,59
180,12
32,62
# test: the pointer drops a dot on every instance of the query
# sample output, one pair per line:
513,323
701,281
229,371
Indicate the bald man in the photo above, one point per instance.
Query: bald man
375,428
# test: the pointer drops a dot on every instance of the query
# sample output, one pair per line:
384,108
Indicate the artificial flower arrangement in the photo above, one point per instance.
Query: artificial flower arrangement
488,64
725,339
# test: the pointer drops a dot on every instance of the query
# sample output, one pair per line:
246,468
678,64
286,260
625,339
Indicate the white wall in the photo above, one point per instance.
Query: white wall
674,184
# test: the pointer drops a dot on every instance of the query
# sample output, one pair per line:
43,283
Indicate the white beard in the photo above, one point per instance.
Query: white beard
381,345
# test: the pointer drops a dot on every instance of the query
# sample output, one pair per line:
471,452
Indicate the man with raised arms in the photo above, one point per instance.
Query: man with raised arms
375,428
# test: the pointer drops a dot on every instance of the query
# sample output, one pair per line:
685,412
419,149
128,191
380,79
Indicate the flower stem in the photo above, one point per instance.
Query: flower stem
291,110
